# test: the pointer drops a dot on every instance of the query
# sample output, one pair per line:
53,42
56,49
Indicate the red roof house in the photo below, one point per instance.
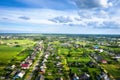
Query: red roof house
104,61
25,66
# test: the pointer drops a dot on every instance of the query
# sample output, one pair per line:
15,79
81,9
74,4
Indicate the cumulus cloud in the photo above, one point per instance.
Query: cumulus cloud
40,16
115,2
24,18
77,19
87,4
61,19
109,25
77,25
4,18
99,14
89,14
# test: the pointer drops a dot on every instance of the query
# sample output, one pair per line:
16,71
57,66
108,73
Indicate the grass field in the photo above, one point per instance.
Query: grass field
8,50
6,54
23,43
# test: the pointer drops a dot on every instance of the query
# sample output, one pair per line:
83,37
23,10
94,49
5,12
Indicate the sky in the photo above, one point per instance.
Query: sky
60,16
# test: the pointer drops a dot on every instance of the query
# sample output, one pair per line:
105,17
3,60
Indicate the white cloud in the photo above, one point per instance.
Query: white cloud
34,16
61,19
90,4
85,18
98,13
104,3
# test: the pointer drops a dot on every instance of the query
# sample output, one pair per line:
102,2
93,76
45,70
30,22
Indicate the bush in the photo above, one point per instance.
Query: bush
17,46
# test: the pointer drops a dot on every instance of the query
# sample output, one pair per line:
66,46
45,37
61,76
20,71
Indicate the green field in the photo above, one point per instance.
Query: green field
7,52
10,49
23,43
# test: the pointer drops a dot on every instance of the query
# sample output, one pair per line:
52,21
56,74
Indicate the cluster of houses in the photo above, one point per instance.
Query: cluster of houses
84,76
28,62
40,64
20,72
43,63
43,66
103,76
98,58
117,57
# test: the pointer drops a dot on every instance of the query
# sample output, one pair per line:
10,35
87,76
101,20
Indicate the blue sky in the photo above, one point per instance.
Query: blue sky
60,16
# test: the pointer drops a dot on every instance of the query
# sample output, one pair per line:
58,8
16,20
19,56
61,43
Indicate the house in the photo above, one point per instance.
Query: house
45,60
25,66
104,61
58,57
42,71
91,64
59,78
58,63
103,76
13,73
29,60
21,74
84,76
98,57
75,77
13,66
40,77
101,50
117,57
96,47
46,56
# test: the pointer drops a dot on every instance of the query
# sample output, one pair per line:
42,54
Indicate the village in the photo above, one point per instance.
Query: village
67,57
